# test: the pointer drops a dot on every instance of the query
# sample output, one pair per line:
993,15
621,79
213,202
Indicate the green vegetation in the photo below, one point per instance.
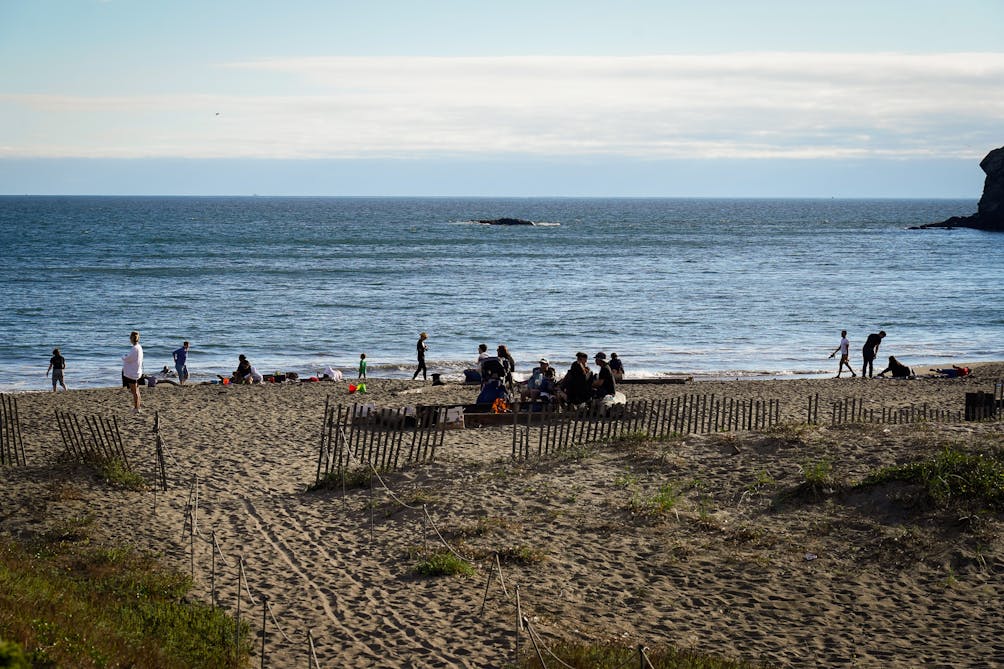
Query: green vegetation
658,504
67,605
115,472
790,434
354,478
631,439
521,554
443,563
953,478
12,656
614,656
626,480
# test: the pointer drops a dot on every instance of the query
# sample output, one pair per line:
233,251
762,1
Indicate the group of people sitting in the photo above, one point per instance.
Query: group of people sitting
579,385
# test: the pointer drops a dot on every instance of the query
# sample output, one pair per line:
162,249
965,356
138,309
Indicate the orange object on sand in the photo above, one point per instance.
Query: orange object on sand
352,388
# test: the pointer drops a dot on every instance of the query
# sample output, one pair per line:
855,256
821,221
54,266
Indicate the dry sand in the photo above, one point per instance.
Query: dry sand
849,580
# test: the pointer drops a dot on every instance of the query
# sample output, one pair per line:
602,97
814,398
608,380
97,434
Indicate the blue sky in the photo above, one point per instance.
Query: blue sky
628,98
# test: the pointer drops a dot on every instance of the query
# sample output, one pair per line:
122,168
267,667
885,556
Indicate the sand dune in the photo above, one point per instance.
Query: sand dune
848,580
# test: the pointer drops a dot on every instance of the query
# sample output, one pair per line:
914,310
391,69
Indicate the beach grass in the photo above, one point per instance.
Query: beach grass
115,472
614,656
443,563
68,604
952,478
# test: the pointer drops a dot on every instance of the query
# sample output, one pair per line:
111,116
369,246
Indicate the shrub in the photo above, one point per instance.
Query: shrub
115,472
953,478
12,656
354,478
443,563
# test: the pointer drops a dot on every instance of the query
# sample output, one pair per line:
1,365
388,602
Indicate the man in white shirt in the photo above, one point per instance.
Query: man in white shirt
132,369
845,354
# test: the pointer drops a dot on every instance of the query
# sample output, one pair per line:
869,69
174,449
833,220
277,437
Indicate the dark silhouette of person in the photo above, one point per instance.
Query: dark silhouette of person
421,348
869,352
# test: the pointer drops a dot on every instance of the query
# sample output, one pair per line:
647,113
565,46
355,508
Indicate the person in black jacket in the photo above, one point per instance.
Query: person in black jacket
870,351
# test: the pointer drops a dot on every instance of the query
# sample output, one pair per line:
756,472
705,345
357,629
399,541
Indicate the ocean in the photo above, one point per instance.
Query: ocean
716,288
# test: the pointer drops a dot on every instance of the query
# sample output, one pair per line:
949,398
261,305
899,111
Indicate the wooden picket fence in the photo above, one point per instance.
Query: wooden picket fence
11,445
92,438
546,432
858,411
384,439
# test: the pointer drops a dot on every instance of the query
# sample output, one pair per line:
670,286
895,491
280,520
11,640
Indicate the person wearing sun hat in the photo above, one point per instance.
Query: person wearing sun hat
541,382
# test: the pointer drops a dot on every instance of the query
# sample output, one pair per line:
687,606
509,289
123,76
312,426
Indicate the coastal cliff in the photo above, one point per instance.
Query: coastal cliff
990,211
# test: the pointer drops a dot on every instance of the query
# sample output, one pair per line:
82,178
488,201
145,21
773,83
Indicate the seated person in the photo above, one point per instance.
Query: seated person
541,384
243,372
604,383
954,372
617,367
898,369
577,384
332,374
473,374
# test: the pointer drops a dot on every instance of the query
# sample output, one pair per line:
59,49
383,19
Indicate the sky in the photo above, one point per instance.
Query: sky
726,98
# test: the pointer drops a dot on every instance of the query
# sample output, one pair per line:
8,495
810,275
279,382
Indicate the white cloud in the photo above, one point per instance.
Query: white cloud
741,105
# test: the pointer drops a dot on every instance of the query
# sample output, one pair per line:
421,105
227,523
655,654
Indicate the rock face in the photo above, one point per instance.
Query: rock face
990,211
505,221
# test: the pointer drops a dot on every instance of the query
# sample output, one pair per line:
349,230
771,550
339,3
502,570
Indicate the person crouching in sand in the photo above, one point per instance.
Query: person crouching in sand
897,369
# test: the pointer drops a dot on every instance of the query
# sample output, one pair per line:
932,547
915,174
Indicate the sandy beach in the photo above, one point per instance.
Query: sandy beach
735,568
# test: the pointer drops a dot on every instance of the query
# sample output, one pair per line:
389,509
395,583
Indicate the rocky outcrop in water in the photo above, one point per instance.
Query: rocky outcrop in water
505,221
990,211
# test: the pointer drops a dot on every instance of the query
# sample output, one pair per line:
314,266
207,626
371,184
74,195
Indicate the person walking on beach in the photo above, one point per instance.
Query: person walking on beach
845,354
869,352
180,359
132,370
57,363
362,366
421,348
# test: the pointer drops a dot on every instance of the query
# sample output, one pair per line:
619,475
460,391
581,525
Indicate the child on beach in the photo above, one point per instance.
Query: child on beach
362,366
844,348
57,363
